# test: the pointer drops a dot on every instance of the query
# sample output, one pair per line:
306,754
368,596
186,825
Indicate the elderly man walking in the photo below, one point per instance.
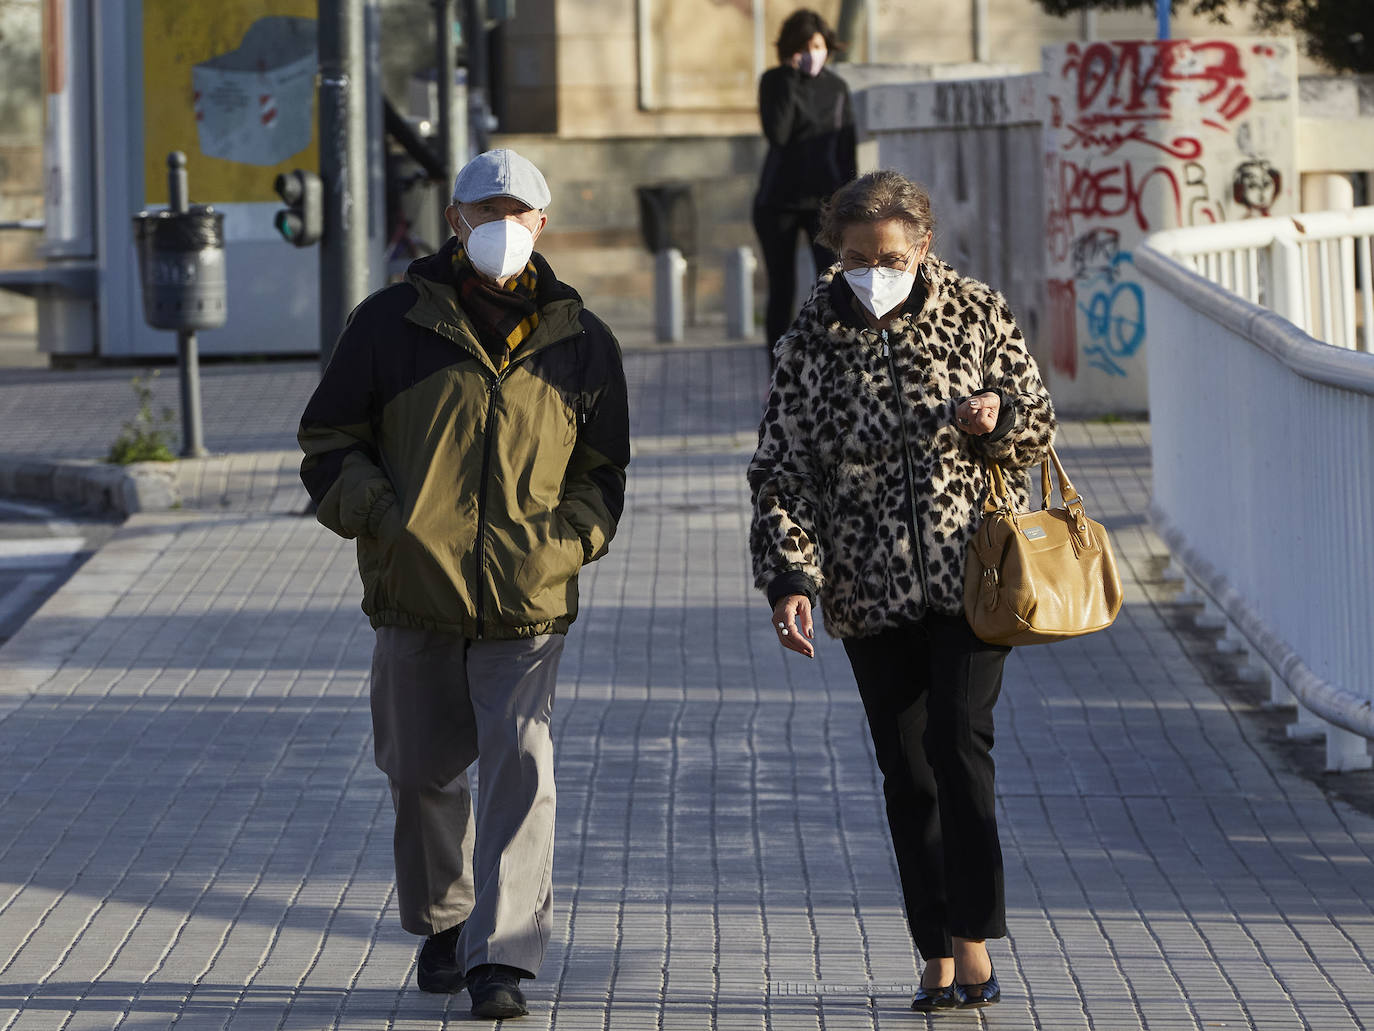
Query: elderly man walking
471,432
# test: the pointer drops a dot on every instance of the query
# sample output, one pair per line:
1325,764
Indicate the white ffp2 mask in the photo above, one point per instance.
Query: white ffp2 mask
499,249
880,289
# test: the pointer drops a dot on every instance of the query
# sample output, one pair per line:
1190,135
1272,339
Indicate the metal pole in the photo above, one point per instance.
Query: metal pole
844,28
344,273
475,33
981,50
1162,18
188,358
446,68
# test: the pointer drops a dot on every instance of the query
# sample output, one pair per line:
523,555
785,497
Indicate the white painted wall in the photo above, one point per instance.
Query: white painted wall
1143,136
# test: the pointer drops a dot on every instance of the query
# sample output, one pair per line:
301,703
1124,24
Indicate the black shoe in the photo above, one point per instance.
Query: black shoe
984,994
437,969
930,999
495,991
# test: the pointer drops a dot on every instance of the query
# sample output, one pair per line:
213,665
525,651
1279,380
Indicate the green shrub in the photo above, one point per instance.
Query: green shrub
146,437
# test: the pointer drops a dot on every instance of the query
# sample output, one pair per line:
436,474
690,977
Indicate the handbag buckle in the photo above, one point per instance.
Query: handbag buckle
1079,516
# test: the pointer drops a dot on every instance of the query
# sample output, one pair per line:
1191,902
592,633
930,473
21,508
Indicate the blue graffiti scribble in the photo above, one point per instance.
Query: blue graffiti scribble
1115,316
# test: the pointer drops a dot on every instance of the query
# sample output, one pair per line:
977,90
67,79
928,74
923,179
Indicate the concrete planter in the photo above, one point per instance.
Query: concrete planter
98,486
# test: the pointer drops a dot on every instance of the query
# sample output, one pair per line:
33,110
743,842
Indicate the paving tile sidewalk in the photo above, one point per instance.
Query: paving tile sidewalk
195,836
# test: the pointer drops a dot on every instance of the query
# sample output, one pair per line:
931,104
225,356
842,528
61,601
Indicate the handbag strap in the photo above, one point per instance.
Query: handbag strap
999,496
996,498
1067,492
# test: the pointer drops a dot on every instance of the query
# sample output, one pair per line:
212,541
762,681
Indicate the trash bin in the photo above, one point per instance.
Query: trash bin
181,264
668,217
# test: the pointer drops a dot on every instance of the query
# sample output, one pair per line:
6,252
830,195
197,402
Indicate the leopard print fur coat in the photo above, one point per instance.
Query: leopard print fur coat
865,492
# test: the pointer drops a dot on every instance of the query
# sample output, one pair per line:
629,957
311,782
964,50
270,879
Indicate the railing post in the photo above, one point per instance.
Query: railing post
1285,261
1346,751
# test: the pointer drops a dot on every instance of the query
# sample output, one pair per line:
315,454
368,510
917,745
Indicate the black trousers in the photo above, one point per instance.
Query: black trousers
777,229
929,690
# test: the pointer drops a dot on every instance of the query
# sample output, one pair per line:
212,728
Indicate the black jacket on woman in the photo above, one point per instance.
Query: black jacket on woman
809,122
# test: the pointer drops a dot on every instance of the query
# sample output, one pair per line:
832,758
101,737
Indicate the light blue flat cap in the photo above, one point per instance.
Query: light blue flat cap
501,173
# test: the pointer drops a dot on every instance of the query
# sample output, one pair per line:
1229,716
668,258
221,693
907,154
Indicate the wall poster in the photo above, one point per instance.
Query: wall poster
233,85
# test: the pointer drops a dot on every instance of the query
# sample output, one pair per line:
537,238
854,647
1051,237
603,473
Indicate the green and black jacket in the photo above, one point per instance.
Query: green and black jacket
475,496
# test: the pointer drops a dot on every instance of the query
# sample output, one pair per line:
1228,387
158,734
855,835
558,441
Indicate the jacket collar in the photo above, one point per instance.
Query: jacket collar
436,307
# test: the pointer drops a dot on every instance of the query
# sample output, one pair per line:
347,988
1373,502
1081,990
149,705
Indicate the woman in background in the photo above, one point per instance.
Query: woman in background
809,121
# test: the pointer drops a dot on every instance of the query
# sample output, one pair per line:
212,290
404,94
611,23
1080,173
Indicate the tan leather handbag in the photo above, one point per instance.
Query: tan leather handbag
1036,577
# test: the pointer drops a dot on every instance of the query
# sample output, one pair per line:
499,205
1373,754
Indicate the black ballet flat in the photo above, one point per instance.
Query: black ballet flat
928,1000
984,994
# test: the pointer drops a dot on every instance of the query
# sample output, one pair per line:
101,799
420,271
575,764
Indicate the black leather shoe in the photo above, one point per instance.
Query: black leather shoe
495,992
438,970
928,1000
984,994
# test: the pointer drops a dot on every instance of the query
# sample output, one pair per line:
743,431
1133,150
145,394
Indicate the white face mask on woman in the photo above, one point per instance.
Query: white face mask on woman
812,62
880,289
498,249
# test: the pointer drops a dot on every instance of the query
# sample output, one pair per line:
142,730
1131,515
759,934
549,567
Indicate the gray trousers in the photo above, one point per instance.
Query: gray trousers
439,702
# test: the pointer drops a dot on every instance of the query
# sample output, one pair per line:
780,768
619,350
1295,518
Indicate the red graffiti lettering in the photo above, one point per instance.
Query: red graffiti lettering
1118,191
1063,318
1084,134
1130,81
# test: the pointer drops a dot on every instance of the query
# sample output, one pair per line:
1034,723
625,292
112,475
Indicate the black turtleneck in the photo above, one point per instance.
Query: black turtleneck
809,122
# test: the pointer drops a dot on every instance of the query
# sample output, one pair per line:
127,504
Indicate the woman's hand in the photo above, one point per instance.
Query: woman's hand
792,623
978,415
795,60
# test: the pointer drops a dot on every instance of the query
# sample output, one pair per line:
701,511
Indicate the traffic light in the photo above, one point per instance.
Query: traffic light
302,220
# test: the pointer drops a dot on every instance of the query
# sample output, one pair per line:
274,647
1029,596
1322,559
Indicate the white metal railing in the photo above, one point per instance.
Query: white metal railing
1312,268
1262,444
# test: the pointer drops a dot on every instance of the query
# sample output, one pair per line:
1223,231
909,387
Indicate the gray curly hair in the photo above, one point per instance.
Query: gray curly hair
874,197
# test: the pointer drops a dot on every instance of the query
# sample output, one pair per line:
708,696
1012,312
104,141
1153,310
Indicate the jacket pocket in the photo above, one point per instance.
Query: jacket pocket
374,555
554,558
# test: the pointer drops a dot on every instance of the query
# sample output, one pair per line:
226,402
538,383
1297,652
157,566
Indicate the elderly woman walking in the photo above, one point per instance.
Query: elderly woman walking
897,382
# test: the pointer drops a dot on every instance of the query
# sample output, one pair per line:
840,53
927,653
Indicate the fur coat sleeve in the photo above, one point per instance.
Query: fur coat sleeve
783,480
1009,369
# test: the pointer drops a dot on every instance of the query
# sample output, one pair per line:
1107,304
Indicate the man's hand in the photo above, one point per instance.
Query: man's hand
792,623
978,415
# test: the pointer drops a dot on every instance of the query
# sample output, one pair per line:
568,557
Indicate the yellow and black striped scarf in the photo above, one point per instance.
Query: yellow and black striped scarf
502,316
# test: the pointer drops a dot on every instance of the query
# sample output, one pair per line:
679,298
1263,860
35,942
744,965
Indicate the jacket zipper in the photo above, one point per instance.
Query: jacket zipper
907,469
493,389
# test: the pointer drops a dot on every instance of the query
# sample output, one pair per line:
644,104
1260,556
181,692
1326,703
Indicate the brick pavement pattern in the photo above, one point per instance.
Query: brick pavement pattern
195,835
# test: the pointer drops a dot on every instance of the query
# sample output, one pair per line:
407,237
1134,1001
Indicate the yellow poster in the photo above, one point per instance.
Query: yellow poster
233,85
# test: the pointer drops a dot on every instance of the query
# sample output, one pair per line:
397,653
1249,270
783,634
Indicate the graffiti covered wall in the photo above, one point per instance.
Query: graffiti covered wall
1139,137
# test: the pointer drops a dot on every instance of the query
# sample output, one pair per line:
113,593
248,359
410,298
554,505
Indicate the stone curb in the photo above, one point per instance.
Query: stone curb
97,486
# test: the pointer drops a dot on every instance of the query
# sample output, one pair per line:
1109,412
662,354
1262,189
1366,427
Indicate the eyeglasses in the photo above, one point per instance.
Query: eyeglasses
899,263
